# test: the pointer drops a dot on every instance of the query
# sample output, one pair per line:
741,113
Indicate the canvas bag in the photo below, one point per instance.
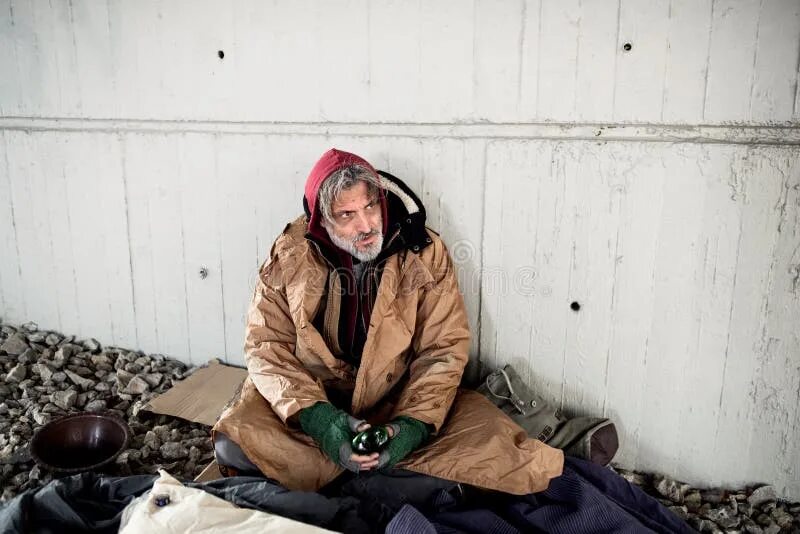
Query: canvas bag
591,438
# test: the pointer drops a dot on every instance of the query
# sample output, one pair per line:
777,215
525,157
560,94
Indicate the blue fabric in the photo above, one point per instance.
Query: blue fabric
586,498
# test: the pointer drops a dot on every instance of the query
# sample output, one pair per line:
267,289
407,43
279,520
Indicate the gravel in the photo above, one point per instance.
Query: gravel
44,375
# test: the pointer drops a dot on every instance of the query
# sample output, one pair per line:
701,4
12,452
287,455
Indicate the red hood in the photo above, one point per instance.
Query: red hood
331,161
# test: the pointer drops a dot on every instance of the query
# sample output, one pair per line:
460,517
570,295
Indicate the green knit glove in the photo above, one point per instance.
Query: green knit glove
333,430
409,433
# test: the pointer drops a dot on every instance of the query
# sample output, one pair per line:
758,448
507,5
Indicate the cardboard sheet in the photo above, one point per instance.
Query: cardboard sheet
209,473
202,396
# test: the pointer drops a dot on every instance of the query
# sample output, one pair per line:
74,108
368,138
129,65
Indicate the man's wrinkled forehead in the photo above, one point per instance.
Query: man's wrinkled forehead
358,196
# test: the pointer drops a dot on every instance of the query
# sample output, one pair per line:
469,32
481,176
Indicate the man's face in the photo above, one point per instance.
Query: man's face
357,223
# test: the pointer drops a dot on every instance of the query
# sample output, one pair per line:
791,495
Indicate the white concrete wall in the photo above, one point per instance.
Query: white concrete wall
658,187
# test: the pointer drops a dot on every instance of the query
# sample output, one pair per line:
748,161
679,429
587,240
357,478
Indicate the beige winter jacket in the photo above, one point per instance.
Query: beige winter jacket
415,353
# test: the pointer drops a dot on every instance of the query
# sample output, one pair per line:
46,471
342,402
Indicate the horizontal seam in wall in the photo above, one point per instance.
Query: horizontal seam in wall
639,132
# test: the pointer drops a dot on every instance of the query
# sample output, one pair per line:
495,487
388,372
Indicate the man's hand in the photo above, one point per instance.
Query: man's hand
333,430
361,462
405,435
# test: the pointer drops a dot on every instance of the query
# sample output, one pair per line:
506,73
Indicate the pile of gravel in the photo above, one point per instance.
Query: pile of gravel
752,510
44,375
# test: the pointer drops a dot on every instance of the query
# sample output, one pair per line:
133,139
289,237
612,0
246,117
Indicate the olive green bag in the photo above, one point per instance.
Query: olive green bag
591,438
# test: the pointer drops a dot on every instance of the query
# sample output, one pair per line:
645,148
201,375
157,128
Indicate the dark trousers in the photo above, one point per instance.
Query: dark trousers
230,456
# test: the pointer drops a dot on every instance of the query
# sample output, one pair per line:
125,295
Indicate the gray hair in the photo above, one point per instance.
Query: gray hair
342,180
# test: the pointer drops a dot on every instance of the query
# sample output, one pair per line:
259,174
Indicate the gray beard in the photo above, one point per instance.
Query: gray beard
369,254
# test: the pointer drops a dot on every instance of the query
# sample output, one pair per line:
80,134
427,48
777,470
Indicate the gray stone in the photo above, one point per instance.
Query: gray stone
64,399
41,418
137,386
123,377
197,442
781,517
95,406
58,377
20,428
102,386
29,356
101,359
704,525
750,526
14,345
173,451
12,457
51,408
45,372
30,326
92,345
37,337
26,384
154,379
80,402
83,383
162,431
35,473
762,495
137,407
764,520
713,496
83,371
17,373
734,503
723,516
65,352
20,478
152,440
52,339
133,368
772,529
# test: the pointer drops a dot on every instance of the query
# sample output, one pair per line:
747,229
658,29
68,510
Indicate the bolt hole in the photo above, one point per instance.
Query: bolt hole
203,273
220,54
575,306
627,47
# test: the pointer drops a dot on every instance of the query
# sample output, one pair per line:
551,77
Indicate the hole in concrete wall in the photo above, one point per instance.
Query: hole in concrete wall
575,306
627,47
221,54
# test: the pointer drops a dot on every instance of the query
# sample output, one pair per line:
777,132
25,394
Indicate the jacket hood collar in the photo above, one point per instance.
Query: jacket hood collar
402,210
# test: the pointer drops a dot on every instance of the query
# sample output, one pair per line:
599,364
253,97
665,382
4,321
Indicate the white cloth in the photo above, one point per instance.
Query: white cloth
194,510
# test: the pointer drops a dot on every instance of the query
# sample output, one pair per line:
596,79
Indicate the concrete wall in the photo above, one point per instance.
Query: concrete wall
658,187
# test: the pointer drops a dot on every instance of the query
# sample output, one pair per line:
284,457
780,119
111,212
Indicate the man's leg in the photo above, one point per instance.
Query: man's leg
231,459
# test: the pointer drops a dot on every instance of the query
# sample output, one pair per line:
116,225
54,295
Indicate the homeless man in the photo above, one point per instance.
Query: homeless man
357,317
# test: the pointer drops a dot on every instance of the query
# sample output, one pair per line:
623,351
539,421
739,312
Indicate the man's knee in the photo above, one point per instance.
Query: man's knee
230,456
